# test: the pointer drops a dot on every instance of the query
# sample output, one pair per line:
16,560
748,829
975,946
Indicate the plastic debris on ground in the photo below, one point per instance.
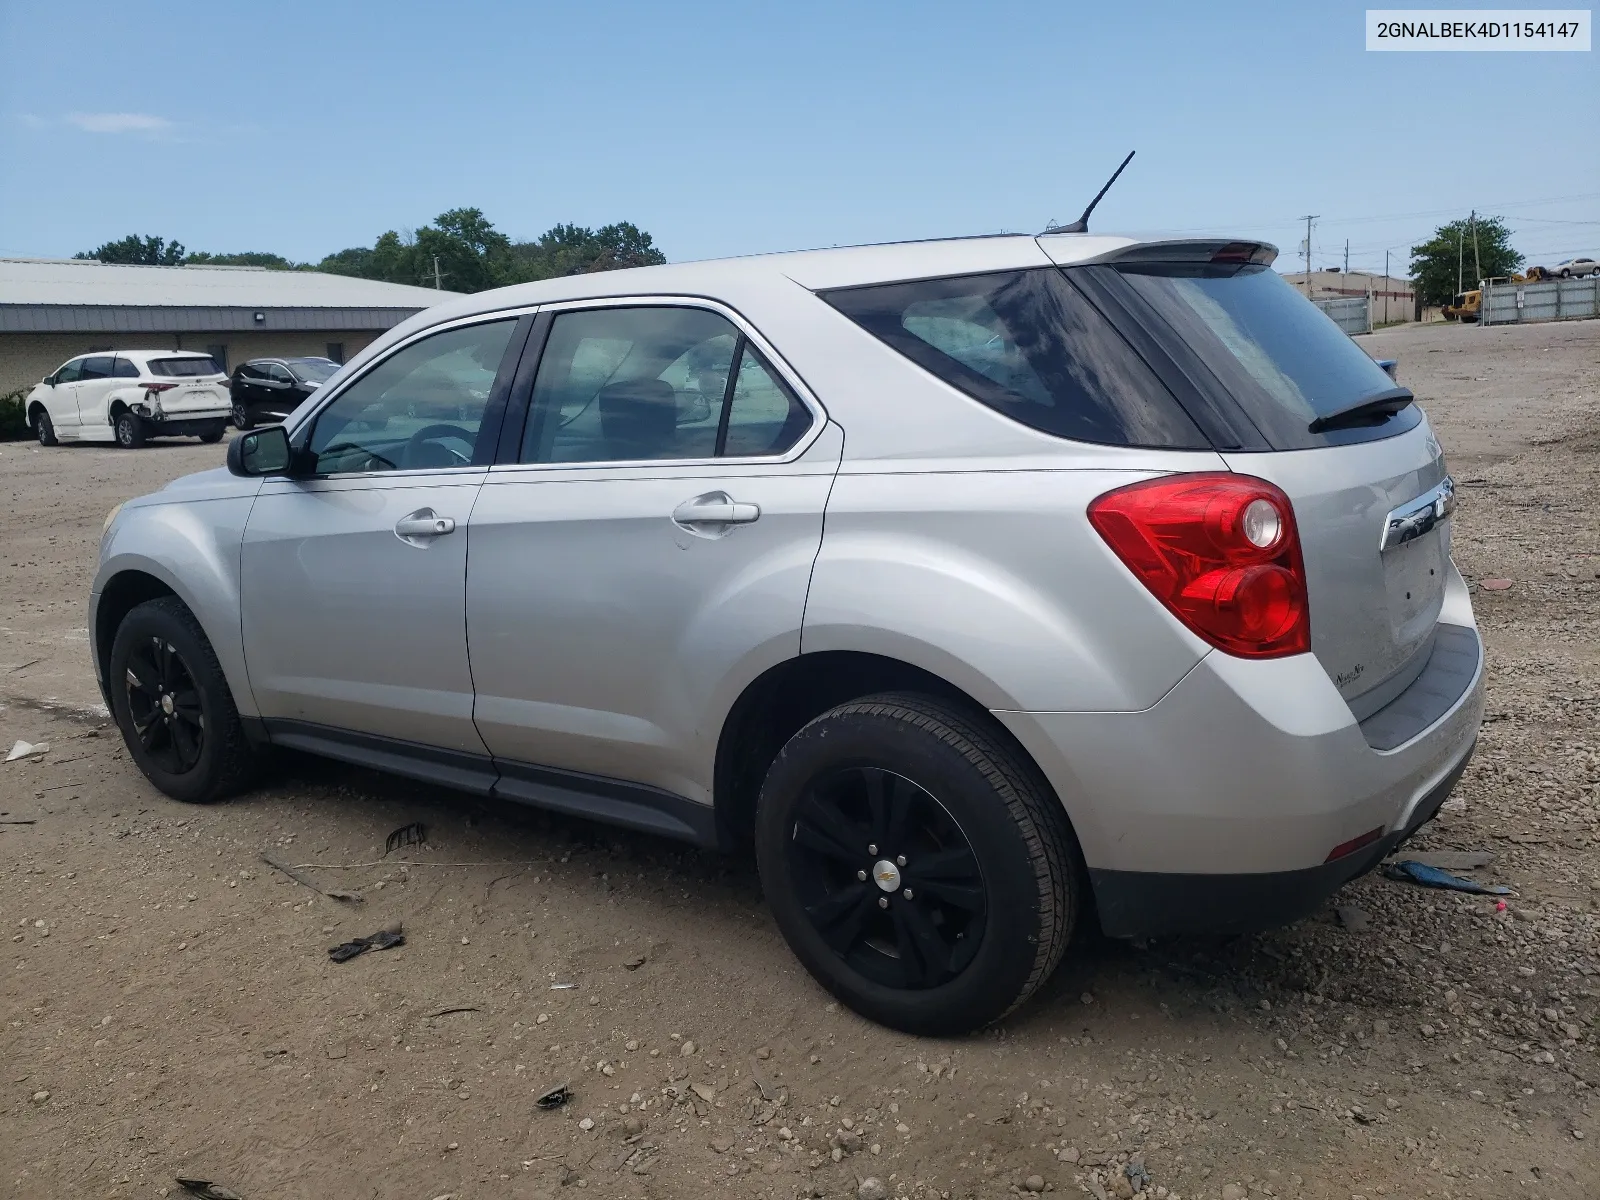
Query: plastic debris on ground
27,750
1448,860
414,834
381,940
554,1098
207,1190
1411,871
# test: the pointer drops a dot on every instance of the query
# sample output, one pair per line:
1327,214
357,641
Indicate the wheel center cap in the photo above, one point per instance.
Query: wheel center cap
886,875
166,704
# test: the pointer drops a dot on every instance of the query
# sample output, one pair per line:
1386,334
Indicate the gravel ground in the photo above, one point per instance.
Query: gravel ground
169,1008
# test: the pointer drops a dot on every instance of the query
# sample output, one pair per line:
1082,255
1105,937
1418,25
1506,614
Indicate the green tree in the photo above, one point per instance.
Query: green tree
144,251
473,255
246,258
1435,262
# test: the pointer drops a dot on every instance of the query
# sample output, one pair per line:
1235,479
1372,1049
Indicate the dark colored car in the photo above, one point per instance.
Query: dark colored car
266,390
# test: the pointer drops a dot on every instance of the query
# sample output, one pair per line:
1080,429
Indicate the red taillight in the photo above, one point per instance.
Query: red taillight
1354,844
159,387
1220,551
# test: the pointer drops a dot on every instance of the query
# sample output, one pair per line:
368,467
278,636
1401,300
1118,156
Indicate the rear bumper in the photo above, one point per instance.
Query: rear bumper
1142,904
186,424
1218,807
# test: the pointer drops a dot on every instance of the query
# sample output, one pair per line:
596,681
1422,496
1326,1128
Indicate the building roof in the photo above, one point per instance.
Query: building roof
84,281
81,295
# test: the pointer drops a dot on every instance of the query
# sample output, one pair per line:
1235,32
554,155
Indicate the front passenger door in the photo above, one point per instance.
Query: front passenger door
62,401
354,573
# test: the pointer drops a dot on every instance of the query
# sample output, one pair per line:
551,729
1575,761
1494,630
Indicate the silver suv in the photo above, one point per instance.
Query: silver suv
984,588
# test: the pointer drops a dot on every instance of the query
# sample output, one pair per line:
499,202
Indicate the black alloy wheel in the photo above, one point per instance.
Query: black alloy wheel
241,416
164,704
887,878
917,862
173,707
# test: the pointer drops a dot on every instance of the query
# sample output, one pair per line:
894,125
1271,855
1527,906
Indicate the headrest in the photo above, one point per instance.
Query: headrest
639,418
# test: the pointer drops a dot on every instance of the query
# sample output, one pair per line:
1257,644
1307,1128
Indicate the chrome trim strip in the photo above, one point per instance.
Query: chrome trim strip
1418,517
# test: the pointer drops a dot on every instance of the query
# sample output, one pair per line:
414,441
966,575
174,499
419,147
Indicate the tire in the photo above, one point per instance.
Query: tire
193,746
241,416
44,430
214,434
1566,273
1001,906
129,428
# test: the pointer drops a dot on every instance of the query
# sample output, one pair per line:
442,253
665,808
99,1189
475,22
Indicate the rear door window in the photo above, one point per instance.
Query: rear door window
183,368
99,367
1031,346
1280,359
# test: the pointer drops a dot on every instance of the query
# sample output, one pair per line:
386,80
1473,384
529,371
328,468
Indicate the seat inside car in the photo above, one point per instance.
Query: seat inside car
639,418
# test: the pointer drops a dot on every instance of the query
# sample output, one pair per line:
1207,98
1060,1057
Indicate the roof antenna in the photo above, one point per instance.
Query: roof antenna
1081,225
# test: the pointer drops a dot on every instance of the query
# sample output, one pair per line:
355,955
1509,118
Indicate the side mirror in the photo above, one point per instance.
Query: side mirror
262,451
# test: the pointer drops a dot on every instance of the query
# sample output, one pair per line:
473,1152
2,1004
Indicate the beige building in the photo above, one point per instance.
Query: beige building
54,309
1392,297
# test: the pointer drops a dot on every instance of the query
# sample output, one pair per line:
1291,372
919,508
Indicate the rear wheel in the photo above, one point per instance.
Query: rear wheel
129,430
214,433
917,865
241,416
43,429
172,704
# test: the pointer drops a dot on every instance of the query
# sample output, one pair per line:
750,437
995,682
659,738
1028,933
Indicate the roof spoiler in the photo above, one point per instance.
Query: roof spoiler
1186,250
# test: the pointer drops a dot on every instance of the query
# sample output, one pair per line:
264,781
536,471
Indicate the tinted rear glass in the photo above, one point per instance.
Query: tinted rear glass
1029,345
183,368
1280,358
313,370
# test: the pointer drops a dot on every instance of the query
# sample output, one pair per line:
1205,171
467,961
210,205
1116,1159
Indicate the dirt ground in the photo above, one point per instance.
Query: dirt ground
168,1007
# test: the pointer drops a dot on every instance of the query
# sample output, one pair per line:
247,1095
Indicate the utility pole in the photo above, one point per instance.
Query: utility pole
436,284
1477,269
1385,287
1347,256
1460,233
1308,221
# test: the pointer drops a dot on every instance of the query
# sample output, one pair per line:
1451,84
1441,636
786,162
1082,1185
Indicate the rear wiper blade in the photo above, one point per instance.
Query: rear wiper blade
1379,405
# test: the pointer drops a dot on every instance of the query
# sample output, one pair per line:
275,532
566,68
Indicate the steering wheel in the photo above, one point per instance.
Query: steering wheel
415,454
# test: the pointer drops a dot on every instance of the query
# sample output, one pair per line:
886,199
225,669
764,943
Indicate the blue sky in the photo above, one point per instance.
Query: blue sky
733,128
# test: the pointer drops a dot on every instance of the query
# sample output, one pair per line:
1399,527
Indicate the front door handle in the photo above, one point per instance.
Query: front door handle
715,508
423,525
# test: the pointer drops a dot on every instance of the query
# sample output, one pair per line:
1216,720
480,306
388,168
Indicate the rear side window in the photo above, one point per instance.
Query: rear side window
1029,345
183,368
1283,362
126,369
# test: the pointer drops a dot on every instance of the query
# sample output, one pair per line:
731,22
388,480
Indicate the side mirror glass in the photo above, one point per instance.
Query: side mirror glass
260,452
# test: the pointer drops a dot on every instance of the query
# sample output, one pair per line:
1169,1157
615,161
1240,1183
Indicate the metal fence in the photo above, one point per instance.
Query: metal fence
1353,314
1551,300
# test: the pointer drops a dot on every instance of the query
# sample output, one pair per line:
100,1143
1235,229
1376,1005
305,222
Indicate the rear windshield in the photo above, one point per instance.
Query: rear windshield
1279,358
313,370
182,368
1027,344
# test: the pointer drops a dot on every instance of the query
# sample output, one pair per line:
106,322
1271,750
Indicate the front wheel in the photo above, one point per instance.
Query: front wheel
241,416
129,430
171,701
917,864
44,430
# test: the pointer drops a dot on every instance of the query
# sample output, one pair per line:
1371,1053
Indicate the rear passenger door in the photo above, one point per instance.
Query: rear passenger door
646,552
94,387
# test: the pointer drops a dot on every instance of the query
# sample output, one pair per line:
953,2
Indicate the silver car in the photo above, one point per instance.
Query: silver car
978,587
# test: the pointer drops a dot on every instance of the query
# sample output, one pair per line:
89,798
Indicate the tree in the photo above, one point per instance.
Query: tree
145,251
473,255
246,258
1435,262
576,250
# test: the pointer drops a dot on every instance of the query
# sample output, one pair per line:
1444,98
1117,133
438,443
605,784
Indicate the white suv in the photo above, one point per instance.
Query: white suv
126,396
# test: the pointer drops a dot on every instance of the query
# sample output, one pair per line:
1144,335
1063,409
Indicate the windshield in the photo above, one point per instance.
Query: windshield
183,368
1282,360
313,370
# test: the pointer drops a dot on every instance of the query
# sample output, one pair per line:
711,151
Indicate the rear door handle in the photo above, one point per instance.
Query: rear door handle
423,525
715,508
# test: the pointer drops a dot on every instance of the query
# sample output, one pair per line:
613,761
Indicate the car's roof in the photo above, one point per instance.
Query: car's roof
846,266
140,354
